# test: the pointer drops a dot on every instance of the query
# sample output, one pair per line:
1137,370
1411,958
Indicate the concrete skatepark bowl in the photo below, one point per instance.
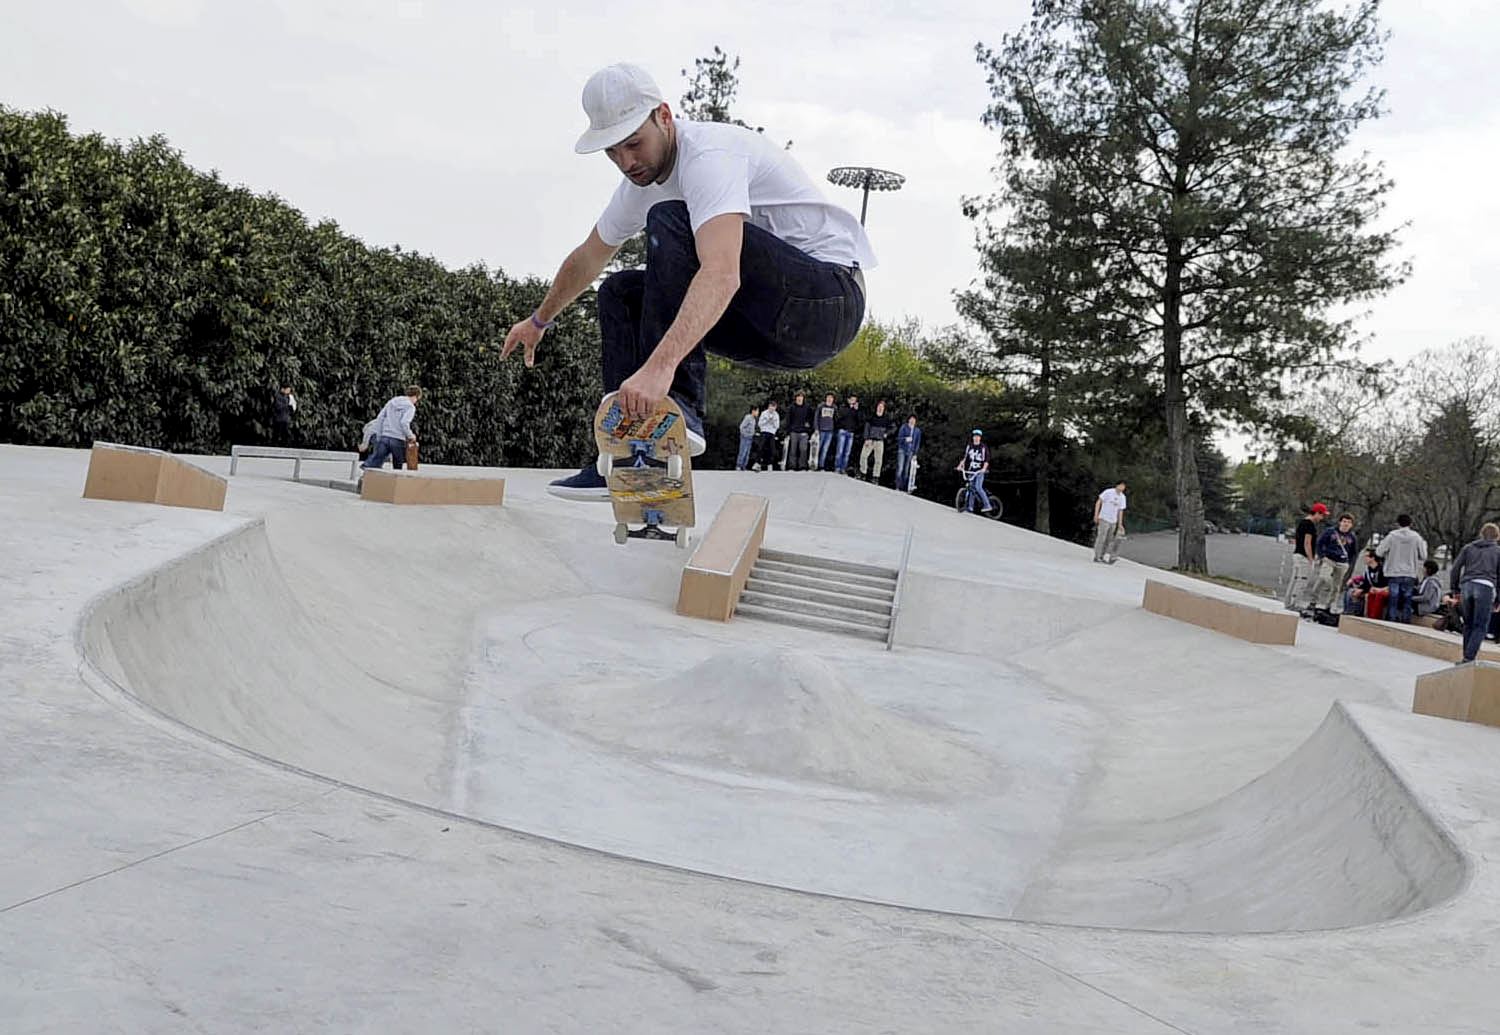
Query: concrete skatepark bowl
1053,783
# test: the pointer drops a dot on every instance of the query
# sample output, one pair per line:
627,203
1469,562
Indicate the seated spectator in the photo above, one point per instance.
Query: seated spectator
1368,590
1429,597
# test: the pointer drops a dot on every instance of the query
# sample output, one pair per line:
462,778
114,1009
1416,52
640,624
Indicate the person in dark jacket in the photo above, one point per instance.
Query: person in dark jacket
847,423
876,430
908,441
282,408
823,432
799,423
1473,577
1335,549
1362,587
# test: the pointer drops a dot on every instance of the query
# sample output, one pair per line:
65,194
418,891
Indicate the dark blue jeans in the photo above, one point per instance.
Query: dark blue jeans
1477,600
903,466
791,311
841,458
394,448
1398,608
977,493
825,443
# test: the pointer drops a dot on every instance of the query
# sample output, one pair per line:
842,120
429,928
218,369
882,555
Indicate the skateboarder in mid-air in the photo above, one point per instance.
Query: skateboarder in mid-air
745,258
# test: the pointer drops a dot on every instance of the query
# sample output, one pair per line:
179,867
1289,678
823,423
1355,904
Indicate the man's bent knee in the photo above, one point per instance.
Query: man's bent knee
668,219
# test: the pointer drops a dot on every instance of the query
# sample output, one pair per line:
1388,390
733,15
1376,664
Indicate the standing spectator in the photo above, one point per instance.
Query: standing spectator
1430,594
769,424
822,440
1303,557
876,429
908,441
282,408
1402,551
394,432
1109,522
799,425
847,424
747,437
1472,579
1335,549
974,466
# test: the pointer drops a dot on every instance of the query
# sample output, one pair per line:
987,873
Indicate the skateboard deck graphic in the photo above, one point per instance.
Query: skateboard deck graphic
645,463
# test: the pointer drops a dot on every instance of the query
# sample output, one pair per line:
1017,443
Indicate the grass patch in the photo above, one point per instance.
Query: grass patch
1225,580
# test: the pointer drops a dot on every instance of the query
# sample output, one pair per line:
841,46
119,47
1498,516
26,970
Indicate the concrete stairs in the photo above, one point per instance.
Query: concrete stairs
820,593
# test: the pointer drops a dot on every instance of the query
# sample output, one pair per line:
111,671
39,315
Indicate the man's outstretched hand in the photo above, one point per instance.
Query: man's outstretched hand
523,333
643,389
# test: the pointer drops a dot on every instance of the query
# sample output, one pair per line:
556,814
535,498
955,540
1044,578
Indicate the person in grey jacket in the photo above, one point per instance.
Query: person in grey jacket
1473,578
395,430
1430,594
747,437
1401,554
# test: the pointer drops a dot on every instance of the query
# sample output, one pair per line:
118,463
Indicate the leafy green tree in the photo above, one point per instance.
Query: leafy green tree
1204,145
1039,310
143,301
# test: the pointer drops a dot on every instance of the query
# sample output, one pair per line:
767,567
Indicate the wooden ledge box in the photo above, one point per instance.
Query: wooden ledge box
1468,693
1242,621
430,489
715,575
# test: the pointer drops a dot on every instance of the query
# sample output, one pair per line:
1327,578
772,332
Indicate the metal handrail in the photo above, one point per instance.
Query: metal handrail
890,635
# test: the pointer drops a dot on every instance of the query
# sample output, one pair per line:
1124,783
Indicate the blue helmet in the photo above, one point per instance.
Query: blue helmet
976,431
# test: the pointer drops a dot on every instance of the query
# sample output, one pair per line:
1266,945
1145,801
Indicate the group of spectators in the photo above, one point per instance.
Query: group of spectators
1396,581
821,438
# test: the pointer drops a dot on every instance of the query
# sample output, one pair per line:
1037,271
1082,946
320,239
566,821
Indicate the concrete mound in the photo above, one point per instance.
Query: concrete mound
785,715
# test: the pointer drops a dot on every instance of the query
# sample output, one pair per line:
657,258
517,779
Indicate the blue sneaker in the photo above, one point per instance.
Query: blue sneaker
586,486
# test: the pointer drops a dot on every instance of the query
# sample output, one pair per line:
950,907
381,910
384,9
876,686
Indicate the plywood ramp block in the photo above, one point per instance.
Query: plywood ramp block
138,475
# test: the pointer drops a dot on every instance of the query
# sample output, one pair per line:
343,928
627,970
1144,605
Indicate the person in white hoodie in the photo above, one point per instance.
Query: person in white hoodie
394,431
1402,553
770,423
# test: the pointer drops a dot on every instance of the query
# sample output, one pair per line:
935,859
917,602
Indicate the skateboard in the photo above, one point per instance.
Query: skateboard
411,454
645,463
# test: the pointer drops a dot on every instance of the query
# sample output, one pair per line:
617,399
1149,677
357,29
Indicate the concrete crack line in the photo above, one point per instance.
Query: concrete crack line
168,851
1075,978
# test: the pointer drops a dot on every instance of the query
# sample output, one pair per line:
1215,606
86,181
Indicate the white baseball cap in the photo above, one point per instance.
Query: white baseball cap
617,100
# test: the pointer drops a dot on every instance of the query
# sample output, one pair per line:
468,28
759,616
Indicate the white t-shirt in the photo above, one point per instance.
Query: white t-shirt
1111,502
725,168
770,421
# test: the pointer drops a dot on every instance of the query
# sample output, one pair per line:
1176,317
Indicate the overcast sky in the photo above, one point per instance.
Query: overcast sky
447,125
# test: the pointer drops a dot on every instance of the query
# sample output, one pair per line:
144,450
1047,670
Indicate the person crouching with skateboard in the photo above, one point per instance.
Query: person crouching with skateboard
745,258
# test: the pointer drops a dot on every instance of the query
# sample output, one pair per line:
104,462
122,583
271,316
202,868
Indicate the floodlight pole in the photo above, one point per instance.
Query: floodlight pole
867,179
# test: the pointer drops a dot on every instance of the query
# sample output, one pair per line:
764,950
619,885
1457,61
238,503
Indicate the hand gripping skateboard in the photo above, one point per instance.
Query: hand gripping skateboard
645,463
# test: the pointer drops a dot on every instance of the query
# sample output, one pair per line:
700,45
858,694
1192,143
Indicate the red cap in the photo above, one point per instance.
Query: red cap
1318,508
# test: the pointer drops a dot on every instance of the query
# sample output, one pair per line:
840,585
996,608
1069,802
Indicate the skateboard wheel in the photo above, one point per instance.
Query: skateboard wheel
622,533
683,537
674,467
604,464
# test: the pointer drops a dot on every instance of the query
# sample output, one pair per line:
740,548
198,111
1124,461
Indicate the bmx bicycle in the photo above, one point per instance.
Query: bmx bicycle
961,502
